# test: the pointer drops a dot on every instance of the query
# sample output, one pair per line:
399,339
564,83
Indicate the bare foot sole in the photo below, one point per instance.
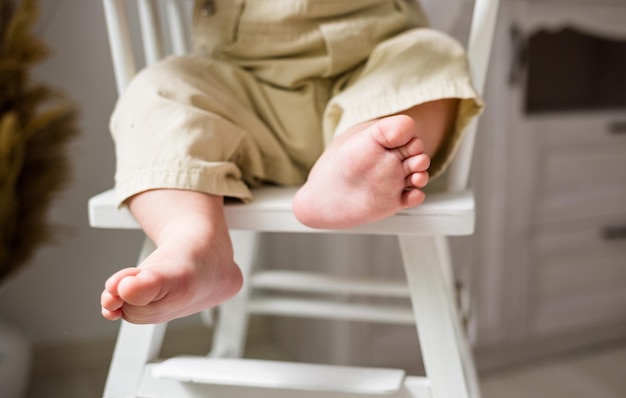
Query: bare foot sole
169,285
366,174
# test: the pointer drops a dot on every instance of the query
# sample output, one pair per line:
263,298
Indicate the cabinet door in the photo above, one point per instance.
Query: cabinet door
551,179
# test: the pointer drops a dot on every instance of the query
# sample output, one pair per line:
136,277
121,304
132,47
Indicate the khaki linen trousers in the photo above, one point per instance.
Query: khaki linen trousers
271,82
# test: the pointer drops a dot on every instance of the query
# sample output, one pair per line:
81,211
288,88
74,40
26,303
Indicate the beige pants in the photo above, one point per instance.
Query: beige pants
271,83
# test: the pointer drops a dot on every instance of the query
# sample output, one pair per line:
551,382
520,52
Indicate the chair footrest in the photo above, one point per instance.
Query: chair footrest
331,309
283,375
309,282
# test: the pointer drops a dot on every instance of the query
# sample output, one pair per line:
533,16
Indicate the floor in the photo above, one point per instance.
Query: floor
599,373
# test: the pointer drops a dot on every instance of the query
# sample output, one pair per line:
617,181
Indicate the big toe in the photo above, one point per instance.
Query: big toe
141,289
113,282
394,131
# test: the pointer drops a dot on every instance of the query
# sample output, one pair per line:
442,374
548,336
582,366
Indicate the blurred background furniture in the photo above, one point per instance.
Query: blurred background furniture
549,264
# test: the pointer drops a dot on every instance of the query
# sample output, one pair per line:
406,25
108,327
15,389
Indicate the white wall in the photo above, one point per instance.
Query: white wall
56,298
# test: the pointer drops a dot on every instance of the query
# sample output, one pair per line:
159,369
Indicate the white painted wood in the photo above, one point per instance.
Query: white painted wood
573,180
325,283
584,168
427,264
413,387
552,181
582,173
331,309
606,20
445,350
479,50
570,294
118,30
276,374
151,31
490,175
178,30
270,211
581,128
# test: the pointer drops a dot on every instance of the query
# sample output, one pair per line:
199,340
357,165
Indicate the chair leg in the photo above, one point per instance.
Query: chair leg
445,349
136,346
231,327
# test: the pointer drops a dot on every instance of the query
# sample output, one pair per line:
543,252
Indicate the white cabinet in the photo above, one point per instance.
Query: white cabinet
550,252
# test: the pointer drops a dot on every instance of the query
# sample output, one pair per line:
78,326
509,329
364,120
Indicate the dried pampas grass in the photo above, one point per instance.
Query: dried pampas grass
36,125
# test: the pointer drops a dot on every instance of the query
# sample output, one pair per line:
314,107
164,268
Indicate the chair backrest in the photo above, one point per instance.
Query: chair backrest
479,46
170,35
159,37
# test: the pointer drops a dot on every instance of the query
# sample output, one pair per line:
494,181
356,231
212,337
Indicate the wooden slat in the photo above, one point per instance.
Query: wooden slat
124,63
270,211
478,51
329,309
293,281
278,374
151,32
177,27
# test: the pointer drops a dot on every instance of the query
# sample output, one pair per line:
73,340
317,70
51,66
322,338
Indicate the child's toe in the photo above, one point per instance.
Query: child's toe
417,180
416,164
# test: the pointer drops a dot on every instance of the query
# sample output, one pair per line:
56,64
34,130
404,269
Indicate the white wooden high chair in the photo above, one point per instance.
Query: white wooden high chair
136,369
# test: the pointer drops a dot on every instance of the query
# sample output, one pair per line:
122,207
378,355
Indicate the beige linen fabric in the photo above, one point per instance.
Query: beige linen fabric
271,82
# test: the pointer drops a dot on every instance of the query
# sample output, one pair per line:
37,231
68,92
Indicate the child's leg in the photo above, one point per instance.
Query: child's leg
369,172
193,124
375,169
192,267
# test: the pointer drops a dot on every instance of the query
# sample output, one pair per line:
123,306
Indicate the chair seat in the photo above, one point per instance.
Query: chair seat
270,211
278,374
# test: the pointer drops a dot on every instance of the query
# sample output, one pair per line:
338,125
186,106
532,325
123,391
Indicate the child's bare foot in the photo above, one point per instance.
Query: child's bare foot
192,269
366,174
